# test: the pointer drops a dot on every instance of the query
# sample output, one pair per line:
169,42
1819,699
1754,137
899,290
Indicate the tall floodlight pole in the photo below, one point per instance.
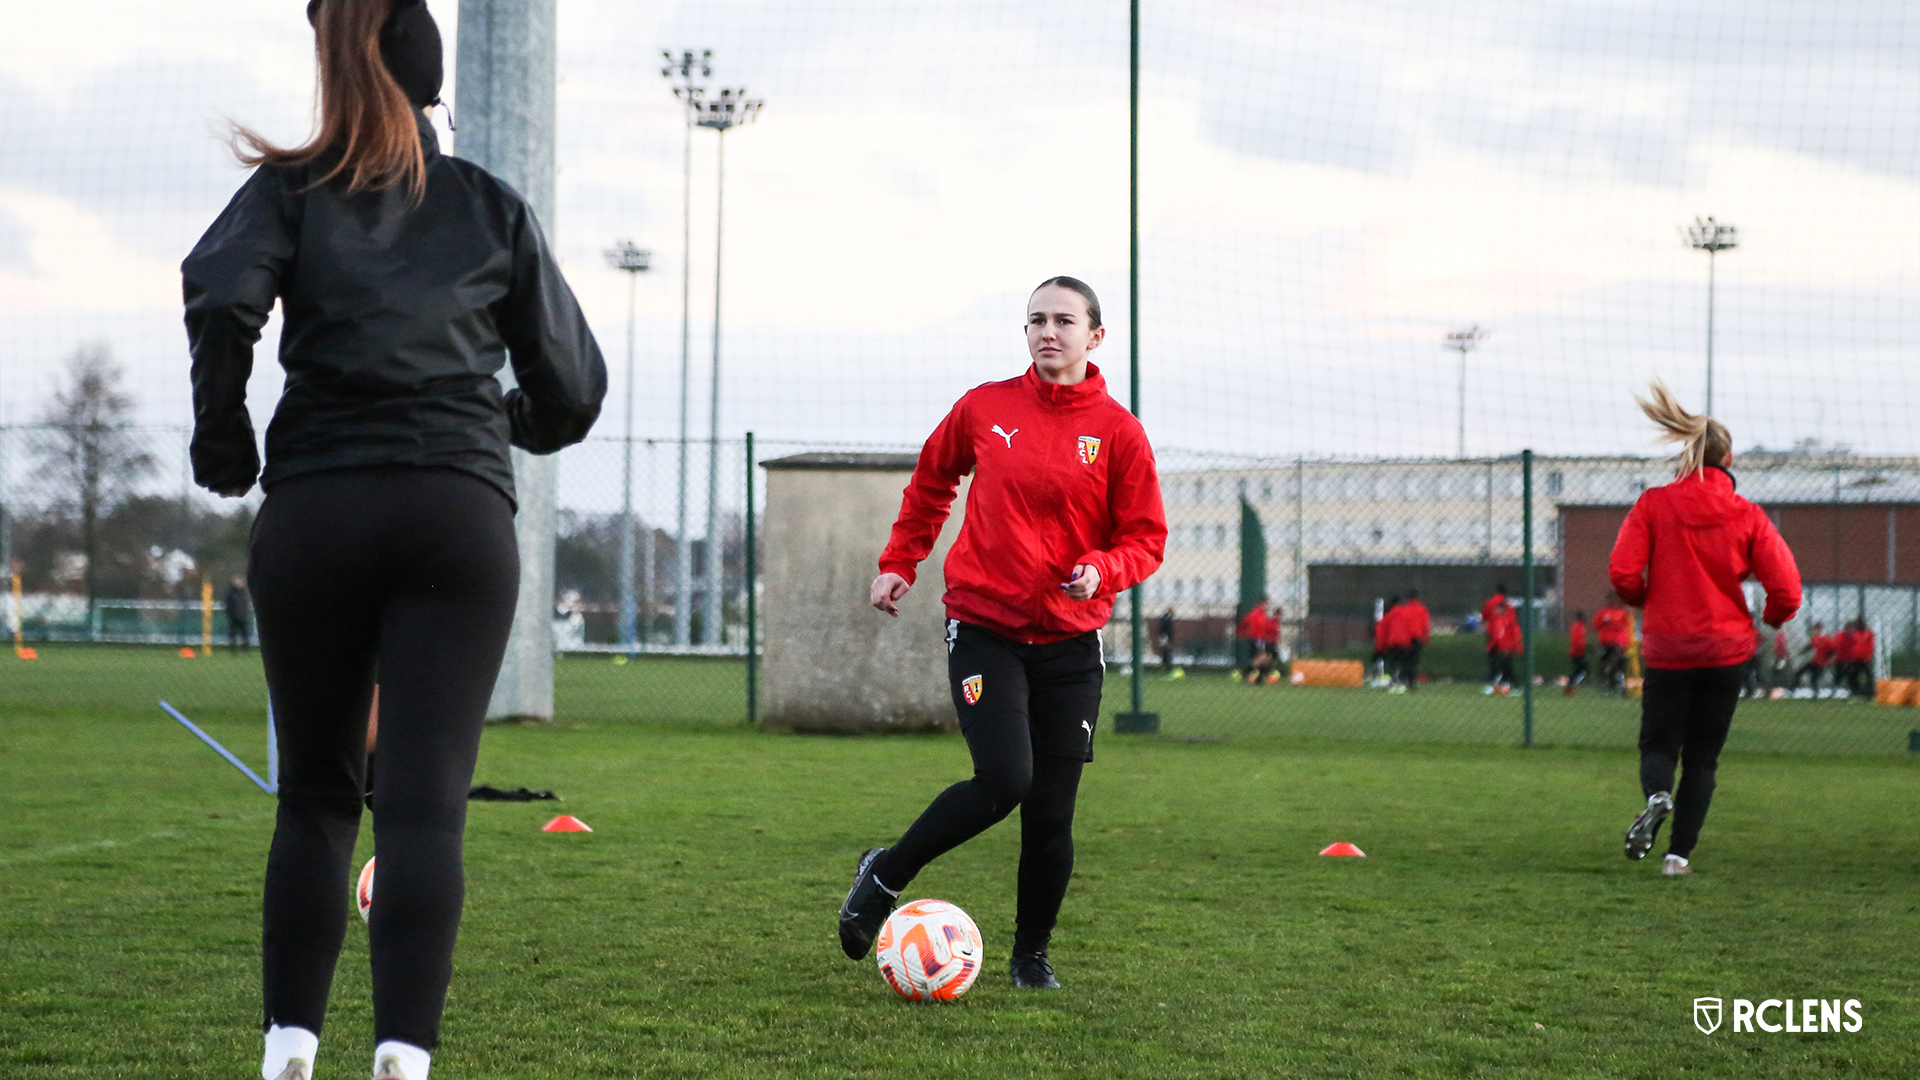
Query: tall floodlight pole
685,67
1708,235
507,76
729,110
1464,342
634,261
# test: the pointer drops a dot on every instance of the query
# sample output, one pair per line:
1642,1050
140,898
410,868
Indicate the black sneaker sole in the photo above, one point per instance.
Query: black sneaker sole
1641,834
857,930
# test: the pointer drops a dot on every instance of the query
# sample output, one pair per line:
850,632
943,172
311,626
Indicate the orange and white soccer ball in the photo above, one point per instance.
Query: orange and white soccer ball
363,892
929,950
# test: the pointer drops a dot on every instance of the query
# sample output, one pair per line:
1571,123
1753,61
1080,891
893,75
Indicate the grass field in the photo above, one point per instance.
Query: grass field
102,681
1493,931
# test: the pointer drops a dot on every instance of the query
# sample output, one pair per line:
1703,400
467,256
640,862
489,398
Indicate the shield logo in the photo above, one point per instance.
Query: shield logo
1706,1015
972,688
1089,449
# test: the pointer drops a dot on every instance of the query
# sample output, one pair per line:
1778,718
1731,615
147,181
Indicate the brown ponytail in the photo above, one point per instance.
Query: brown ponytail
1703,440
364,115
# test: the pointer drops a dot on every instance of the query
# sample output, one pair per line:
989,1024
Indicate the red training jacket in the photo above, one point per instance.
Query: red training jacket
1062,475
1823,649
1577,639
1487,607
1400,626
1855,646
1258,626
1503,631
1611,626
1682,553
1383,630
1418,620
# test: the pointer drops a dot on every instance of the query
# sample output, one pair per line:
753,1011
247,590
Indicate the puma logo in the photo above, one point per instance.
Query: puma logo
1088,726
1007,435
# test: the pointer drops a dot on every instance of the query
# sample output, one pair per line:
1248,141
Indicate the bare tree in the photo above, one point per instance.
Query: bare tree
92,458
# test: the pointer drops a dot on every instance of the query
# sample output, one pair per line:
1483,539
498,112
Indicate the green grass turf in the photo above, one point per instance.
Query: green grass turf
83,681
1494,931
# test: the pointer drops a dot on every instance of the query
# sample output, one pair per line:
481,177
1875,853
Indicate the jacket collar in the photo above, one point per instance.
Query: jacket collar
429,139
1085,392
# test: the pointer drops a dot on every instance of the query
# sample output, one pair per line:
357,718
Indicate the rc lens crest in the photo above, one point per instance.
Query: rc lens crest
1089,449
1706,1015
971,688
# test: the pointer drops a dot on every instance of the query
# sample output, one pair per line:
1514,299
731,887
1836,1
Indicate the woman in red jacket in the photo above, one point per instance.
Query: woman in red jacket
1063,515
1682,553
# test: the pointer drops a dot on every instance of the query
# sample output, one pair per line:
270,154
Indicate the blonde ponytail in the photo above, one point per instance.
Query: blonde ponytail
1703,440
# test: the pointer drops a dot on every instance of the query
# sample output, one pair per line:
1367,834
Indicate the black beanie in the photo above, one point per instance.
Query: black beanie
410,47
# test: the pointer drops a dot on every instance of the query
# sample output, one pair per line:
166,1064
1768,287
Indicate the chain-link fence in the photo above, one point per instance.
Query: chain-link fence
1337,546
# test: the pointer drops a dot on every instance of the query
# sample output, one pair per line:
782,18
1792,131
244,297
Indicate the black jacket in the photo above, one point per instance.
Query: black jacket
396,319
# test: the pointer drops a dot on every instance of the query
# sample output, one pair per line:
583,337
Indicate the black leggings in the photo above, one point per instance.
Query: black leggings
1028,713
1684,717
412,573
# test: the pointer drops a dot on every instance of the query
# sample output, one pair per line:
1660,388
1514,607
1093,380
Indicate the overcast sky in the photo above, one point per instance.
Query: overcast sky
1326,190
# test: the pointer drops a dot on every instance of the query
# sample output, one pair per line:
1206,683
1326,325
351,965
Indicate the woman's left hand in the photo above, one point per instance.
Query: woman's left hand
1086,582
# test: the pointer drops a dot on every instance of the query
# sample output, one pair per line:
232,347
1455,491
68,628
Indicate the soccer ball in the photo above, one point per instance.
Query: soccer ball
929,950
363,892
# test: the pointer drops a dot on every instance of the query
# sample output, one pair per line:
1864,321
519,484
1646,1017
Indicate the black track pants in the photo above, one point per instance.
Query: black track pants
1028,713
1684,717
413,573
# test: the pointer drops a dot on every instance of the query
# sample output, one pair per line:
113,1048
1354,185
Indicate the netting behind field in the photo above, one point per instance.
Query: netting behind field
1383,248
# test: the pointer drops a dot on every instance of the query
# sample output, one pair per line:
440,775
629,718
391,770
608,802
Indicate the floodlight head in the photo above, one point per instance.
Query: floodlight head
730,110
624,255
1466,340
1706,234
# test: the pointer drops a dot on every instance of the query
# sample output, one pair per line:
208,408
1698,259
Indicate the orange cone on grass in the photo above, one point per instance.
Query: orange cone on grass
1343,848
566,823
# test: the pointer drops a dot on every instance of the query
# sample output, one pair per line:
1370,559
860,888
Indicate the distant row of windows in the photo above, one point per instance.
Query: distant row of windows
1403,534
1390,486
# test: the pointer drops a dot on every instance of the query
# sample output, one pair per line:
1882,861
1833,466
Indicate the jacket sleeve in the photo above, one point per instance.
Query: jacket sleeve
229,283
928,498
1774,565
1139,537
562,377
1626,569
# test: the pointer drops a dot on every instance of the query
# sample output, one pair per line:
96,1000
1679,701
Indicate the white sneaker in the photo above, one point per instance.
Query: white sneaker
388,1068
297,1069
1675,866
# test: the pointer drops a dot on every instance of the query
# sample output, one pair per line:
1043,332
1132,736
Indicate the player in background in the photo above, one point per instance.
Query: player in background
1503,642
1613,628
386,543
1063,516
1681,555
1382,632
1818,660
1782,658
1416,628
239,615
1859,647
1262,630
1577,652
1163,641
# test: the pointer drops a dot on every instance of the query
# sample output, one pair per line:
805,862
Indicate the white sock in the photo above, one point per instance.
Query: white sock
413,1060
283,1045
1681,859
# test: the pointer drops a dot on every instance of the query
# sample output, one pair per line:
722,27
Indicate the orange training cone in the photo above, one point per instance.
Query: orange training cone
566,823
25,653
187,654
1343,848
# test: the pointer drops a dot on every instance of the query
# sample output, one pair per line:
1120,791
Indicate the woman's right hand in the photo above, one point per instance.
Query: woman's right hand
888,590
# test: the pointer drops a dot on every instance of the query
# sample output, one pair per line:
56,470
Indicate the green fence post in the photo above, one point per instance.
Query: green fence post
1526,603
753,601
1139,721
